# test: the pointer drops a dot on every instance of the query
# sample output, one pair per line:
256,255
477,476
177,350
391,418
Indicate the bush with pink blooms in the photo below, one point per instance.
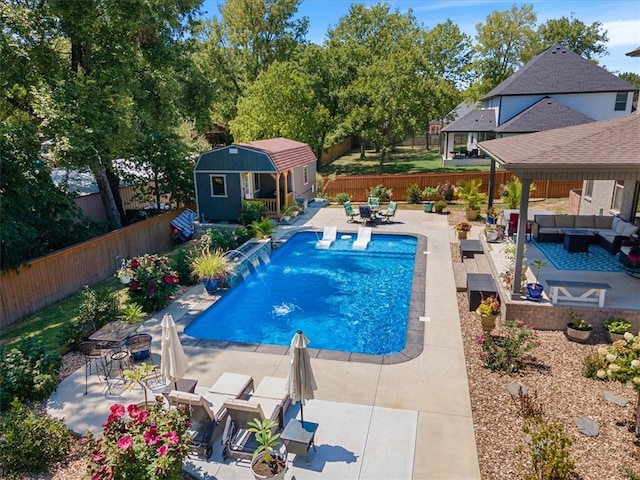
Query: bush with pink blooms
135,443
152,282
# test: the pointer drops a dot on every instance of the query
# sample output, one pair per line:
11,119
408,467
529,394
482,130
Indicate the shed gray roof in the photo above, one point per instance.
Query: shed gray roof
559,70
543,115
634,53
474,121
605,150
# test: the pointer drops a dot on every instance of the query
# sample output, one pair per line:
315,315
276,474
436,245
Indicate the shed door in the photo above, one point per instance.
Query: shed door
247,188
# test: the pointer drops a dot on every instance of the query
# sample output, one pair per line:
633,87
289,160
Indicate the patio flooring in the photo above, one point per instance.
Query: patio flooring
402,421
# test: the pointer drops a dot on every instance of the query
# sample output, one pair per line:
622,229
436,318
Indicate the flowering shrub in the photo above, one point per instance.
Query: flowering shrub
151,281
489,306
622,361
140,444
492,213
383,193
507,352
447,190
462,227
224,239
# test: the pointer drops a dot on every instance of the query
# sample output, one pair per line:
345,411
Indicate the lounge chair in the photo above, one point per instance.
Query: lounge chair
270,396
348,209
203,420
328,237
364,237
365,214
389,212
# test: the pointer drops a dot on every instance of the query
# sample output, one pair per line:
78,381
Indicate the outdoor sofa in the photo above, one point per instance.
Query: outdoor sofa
609,232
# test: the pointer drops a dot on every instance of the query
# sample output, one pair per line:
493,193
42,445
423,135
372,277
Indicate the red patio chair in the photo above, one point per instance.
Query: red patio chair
513,225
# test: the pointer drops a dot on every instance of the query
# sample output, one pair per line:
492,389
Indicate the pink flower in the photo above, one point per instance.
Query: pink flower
117,410
133,286
125,442
142,416
163,450
151,437
172,437
133,410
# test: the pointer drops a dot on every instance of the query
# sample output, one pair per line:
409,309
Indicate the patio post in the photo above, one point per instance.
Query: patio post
492,181
522,229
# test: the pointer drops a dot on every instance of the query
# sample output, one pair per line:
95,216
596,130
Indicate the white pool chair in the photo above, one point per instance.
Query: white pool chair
364,237
328,237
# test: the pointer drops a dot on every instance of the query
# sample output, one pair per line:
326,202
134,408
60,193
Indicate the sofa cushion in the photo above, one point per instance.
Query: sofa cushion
550,230
585,221
603,221
614,224
629,230
608,235
621,227
565,221
545,221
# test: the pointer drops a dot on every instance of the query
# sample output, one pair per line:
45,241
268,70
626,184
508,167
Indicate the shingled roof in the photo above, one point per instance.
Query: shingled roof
286,154
474,121
559,70
598,150
543,115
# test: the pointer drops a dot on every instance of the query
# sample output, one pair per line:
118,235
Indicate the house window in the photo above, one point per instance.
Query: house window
218,186
256,182
434,130
621,101
305,174
588,188
618,191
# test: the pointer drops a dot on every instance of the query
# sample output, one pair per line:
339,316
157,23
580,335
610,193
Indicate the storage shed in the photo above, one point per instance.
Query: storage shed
277,172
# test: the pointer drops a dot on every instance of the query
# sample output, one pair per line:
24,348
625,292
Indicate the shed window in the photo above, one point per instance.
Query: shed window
218,186
621,102
305,174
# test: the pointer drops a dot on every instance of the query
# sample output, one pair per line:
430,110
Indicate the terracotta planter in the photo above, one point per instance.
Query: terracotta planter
462,234
488,322
575,335
471,214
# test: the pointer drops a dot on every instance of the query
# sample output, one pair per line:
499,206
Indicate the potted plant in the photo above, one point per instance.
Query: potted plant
491,233
488,310
439,206
462,229
469,192
263,228
577,329
430,195
266,461
210,268
615,328
534,290
290,211
492,215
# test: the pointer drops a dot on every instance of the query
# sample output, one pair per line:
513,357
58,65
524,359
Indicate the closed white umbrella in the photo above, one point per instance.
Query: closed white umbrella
174,363
301,383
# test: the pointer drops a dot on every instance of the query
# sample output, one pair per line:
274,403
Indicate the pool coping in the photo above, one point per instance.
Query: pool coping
414,343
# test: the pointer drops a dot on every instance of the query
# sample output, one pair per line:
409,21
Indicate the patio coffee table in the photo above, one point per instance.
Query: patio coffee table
576,240
298,436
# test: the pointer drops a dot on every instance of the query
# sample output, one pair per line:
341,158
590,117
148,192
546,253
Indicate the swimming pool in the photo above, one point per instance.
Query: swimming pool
343,299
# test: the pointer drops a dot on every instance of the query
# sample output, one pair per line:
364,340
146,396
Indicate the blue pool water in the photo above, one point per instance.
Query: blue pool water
343,299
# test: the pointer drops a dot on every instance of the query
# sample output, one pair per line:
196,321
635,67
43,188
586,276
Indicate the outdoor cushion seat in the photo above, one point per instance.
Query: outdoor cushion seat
586,222
203,420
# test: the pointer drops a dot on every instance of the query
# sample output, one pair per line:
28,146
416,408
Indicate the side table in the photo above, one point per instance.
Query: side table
298,436
183,385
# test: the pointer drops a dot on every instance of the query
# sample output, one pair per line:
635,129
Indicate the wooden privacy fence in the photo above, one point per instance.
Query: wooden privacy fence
46,280
357,186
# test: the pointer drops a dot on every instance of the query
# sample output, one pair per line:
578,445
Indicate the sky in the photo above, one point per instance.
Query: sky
621,19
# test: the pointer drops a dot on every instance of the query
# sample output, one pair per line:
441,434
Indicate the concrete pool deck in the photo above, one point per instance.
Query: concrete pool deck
409,420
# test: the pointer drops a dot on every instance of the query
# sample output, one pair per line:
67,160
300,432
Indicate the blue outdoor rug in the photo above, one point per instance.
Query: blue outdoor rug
597,260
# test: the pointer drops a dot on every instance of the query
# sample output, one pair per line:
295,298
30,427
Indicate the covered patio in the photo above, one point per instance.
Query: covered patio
606,150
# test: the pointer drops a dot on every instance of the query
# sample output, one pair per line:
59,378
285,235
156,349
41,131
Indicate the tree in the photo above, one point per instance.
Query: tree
501,43
249,36
587,41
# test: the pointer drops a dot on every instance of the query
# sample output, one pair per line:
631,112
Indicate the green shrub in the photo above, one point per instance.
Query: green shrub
380,191
97,308
617,325
342,197
549,450
447,191
252,211
181,263
507,352
28,371
591,363
414,194
225,238
152,281
31,441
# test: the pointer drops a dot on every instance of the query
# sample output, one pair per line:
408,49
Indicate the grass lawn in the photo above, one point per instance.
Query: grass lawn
402,160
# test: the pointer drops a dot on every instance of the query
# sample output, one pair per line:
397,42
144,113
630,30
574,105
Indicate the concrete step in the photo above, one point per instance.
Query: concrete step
460,277
470,265
482,262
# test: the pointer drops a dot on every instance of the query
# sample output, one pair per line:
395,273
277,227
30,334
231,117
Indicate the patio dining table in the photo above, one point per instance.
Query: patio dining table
114,333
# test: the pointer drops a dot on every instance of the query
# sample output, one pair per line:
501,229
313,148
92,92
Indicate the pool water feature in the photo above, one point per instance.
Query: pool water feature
343,299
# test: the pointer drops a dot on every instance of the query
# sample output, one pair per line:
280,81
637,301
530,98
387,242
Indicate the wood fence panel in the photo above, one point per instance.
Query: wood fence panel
46,280
357,186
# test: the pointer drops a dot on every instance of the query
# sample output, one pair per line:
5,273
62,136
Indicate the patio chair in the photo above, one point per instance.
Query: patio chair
97,355
629,257
513,225
139,346
364,237
373,201
365,214
348,209
328,237
389,212
202,420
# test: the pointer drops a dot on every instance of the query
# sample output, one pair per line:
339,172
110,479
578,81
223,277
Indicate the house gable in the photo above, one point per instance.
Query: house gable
235,158
543,115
